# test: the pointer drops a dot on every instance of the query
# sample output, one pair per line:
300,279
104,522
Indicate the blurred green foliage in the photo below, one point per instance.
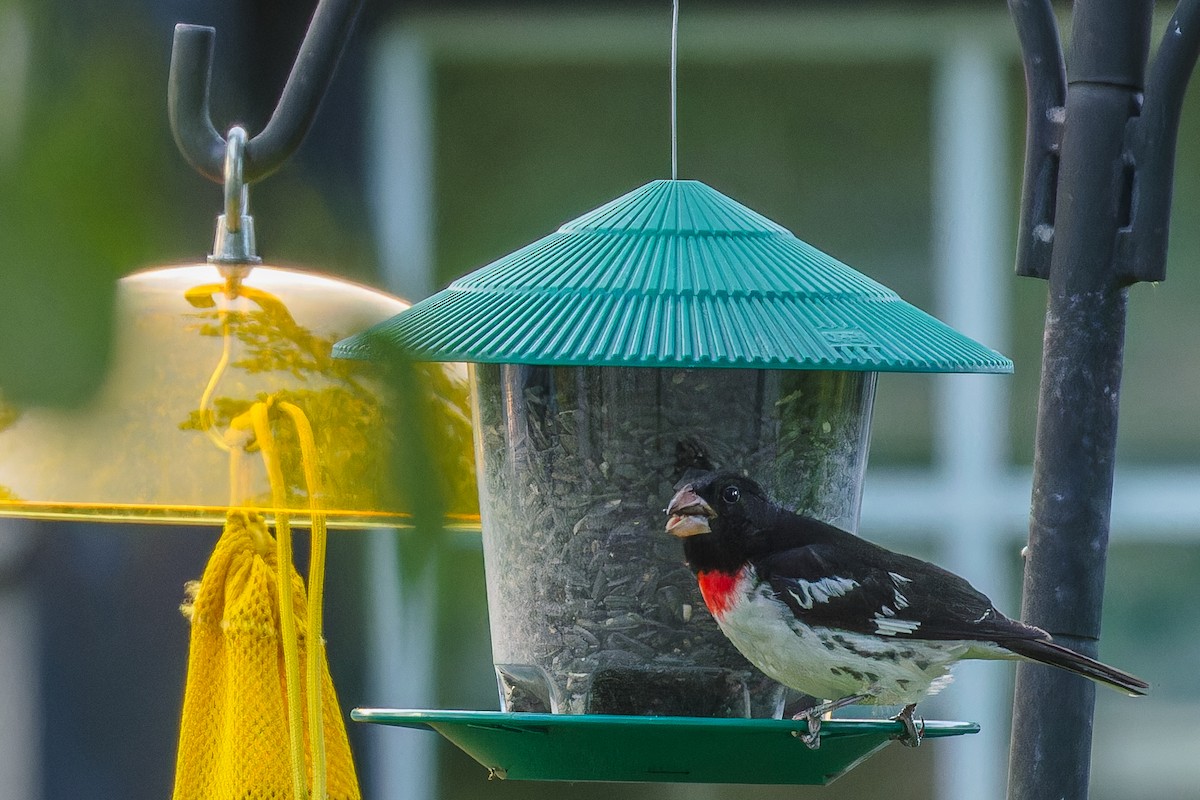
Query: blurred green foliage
78,204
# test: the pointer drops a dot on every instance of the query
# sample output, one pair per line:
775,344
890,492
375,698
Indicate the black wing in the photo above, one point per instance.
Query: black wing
857,586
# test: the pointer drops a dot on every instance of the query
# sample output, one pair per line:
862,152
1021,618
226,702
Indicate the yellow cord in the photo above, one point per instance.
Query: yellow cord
287,621
206,414
258,418
206,297
316,588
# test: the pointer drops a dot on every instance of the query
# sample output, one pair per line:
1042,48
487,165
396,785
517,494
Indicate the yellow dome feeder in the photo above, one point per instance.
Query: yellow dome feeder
196,347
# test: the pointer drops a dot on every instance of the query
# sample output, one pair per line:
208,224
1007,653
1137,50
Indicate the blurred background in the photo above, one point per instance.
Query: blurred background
887,134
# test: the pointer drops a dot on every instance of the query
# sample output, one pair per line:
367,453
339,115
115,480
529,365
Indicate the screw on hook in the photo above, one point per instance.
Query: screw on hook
188,94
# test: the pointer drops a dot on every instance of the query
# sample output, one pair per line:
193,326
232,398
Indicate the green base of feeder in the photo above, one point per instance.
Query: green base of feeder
595,747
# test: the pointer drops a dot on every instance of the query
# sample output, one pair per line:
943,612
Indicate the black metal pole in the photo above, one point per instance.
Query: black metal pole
1080,388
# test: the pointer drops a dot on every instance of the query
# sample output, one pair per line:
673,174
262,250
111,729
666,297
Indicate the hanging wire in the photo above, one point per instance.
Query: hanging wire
674,89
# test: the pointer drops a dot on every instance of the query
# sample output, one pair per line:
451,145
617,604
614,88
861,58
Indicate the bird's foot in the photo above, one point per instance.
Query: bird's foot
914,730
812,739
814,715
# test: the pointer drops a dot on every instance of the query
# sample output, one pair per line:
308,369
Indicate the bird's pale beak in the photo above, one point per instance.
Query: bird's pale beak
688,514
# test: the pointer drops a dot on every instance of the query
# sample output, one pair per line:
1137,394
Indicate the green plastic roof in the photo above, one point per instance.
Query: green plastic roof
674,274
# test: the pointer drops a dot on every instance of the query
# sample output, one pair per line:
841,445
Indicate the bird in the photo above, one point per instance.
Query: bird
839,618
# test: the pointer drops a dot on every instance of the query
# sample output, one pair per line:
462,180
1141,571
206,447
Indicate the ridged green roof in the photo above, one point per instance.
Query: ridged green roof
674,273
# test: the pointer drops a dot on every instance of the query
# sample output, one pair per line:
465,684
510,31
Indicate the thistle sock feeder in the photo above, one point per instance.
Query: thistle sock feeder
323,436
224,405
670,329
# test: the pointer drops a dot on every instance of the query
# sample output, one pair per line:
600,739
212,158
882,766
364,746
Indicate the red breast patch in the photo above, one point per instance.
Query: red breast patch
719,590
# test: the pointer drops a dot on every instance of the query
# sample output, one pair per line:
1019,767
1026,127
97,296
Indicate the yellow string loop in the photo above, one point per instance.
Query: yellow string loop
287,621
316,588
206,413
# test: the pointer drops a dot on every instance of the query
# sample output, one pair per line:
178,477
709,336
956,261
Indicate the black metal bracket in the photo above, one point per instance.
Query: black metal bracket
188,94
1150,145
1046,91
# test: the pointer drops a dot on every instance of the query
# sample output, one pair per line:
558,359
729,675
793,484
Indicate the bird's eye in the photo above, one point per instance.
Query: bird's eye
731,494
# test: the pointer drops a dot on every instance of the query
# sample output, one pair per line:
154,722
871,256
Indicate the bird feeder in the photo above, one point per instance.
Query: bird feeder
670,329
195,347
192,352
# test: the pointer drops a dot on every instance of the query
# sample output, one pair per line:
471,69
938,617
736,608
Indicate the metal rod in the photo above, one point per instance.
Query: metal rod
1046,92
188,94
1078,403
674,89
1143,248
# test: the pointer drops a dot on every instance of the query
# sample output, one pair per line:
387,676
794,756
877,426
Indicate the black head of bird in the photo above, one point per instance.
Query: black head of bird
724,519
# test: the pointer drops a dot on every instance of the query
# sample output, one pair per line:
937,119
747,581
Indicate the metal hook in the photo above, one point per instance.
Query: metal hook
233,247
237,194
188,94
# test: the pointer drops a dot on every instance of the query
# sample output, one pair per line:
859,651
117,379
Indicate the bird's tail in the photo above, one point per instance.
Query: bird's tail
1047,652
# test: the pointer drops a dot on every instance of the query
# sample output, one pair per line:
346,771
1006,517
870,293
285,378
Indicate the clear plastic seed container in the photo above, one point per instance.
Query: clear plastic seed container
593,609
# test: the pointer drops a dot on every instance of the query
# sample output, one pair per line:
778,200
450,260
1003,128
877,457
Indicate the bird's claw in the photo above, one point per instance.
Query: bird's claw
813,716
812,737
914,730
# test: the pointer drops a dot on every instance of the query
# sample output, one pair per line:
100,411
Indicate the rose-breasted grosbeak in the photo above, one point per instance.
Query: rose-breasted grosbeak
837,617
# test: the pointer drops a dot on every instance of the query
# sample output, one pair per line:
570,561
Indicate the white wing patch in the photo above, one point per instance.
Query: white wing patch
822,591
891,627
887,625
898,599
899,580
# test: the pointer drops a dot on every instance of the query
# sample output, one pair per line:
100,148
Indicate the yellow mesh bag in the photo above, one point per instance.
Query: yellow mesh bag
234,732
244,733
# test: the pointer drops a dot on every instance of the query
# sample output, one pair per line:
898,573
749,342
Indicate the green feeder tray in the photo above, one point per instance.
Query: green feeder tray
673,274
596,747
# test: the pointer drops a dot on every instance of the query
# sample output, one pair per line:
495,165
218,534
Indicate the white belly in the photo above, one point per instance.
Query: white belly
830,664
